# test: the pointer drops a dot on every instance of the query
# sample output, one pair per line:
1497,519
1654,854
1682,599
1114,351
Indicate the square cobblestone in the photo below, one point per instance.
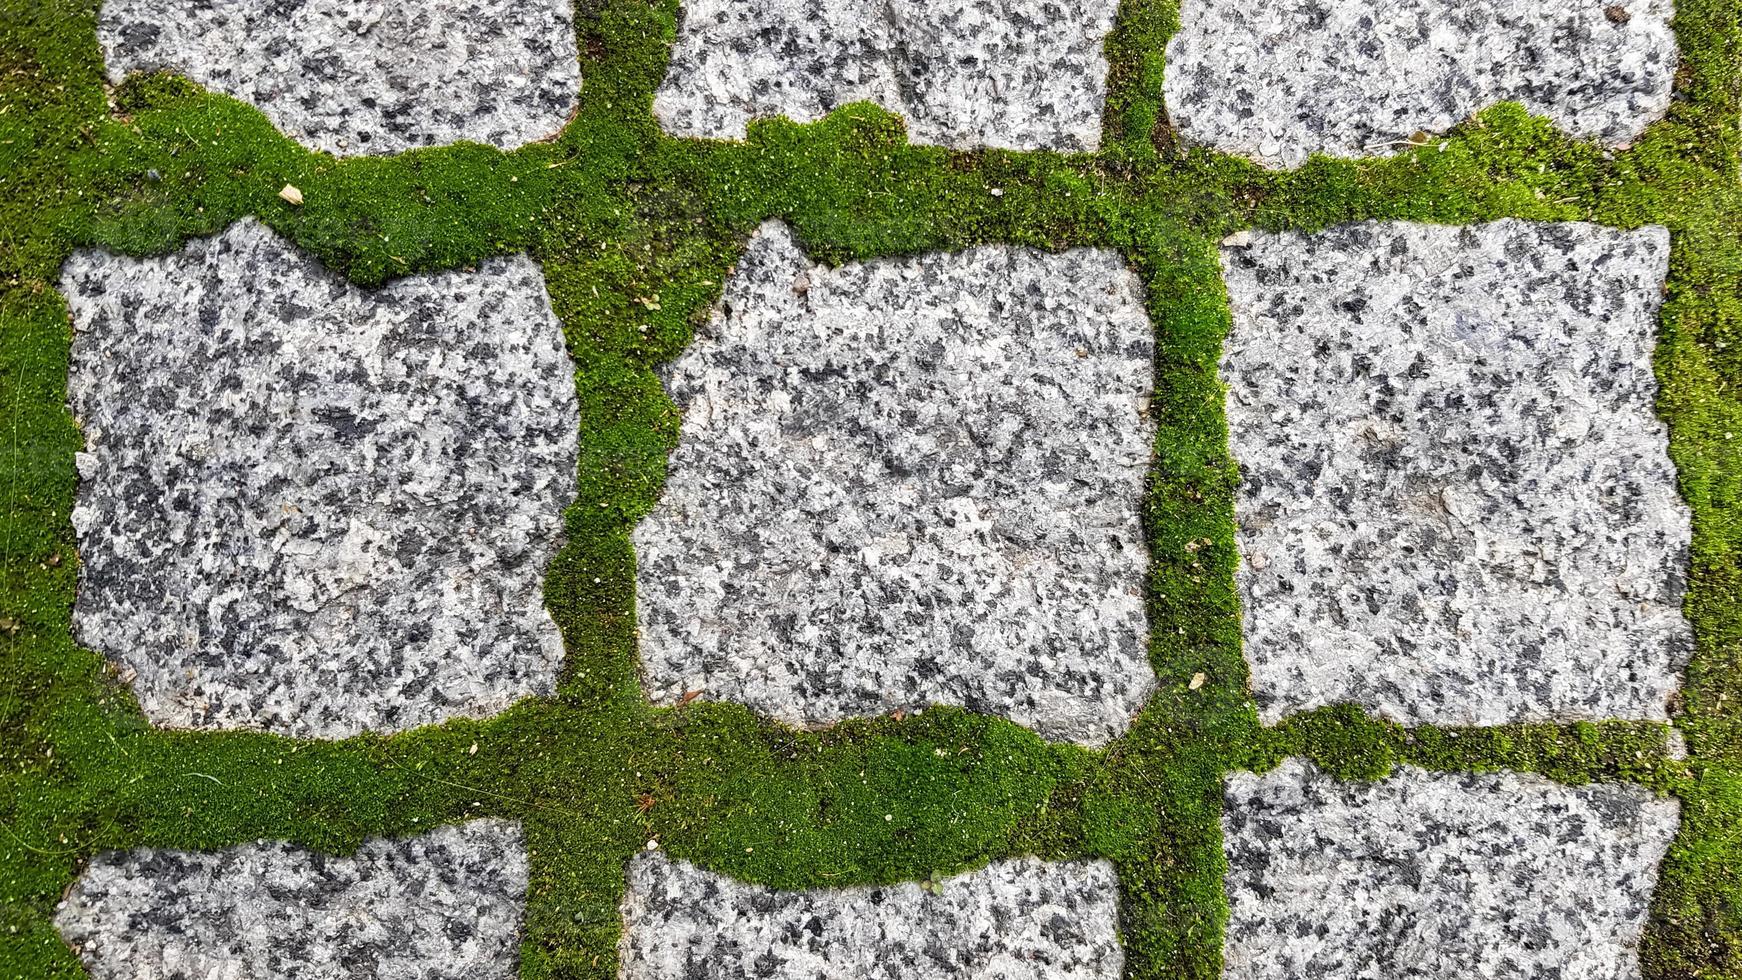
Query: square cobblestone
1020,74
1437,876
1457,505
310,508
1014,920
1277,80
355,78
908,482
446,905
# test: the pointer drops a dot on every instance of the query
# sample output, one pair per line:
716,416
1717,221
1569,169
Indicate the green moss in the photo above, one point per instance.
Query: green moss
636,233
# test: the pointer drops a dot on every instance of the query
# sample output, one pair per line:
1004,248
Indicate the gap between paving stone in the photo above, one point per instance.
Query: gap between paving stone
1023,919
447,905
1277,80
311,508
909,482
366,78
1457,505
1437,876
1019,74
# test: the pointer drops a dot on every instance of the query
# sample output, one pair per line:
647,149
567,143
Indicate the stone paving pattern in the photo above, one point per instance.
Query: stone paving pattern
318,510
446,905
1277,80
1441,875
313,509
909,482
375,77
1457,504
1013,920
1017,74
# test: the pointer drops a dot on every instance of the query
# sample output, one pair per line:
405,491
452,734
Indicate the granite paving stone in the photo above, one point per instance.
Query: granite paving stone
1277,80
370,77
1457,505
313,509
446,905
1437,876
1014,920
1021,74
908,482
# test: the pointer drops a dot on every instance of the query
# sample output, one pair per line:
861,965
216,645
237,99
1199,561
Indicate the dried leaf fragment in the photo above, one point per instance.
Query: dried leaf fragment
291,194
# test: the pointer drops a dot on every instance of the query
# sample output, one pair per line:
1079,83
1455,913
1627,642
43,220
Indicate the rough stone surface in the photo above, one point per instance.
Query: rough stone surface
1021,74
1013,920
1437,876
366,77
1458,505
313,509
1277,80
443,906
909,482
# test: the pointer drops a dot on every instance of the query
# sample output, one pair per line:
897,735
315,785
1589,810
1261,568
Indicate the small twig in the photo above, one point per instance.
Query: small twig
71,850
1401,142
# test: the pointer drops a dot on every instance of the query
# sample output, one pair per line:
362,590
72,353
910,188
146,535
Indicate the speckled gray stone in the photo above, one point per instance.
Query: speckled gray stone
442,906
1436,876
366,76
1276,80
1013,920
1457,505
313,509
1019,74
909,482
